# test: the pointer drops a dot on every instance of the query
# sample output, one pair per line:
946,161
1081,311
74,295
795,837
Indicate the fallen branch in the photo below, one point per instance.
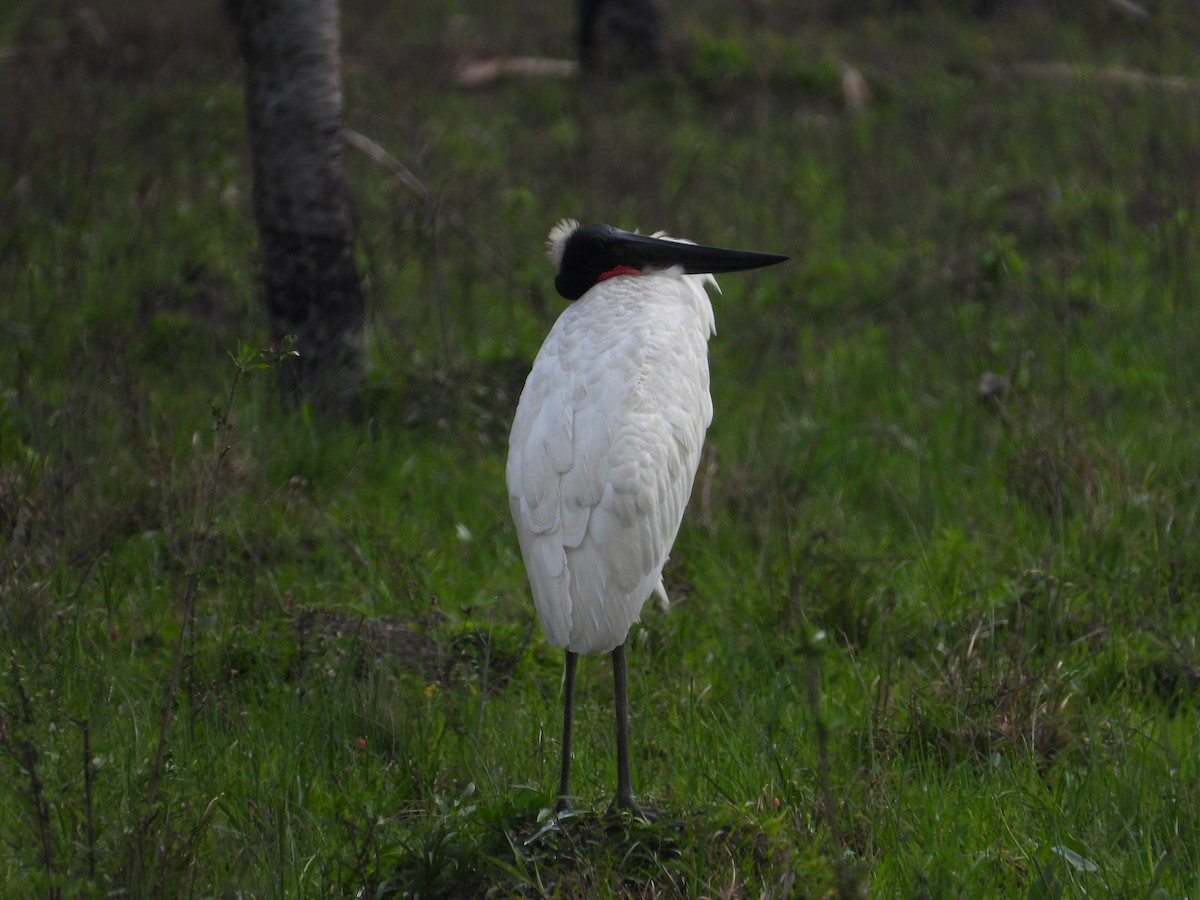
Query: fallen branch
481,72
1129,8
1107,75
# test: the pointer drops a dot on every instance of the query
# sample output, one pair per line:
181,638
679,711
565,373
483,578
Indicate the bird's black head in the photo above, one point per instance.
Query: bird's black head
587,254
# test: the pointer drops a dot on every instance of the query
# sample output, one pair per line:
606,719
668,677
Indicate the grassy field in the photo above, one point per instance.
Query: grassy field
934,630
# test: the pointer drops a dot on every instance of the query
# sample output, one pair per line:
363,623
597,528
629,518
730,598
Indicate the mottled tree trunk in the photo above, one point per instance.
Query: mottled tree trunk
301,199
617,37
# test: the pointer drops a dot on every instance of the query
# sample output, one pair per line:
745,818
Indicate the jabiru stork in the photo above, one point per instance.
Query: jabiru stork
606,441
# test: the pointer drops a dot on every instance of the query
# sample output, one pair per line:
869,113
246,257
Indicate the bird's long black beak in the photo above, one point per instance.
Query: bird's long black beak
645,252
592,252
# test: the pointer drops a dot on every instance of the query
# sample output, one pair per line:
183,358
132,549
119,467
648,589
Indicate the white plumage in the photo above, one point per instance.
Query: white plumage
606,442
604,449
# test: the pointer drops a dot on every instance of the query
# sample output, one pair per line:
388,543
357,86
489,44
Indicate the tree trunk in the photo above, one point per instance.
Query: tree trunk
301,200
617,37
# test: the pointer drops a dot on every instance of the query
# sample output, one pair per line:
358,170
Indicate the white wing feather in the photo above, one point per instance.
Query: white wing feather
604,449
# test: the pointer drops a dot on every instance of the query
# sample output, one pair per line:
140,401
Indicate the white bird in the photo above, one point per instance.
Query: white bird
606,442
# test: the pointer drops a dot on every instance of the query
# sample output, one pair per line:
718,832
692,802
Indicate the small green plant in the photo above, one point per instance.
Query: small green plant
246,359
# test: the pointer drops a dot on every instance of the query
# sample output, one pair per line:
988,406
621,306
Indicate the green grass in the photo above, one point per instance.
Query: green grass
921,643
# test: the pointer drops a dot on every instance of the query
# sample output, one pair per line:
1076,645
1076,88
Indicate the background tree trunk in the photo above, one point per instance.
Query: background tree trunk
311,286
617,37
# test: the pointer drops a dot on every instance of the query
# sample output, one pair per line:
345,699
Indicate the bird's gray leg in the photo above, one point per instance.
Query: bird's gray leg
624,798
564,784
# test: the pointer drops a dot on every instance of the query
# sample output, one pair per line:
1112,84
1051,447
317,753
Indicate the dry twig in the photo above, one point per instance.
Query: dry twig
414,185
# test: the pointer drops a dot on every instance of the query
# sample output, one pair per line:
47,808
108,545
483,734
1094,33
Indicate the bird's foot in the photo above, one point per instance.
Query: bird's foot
626,803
